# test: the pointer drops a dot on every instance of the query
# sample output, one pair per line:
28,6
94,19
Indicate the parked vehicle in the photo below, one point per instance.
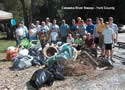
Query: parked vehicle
121,28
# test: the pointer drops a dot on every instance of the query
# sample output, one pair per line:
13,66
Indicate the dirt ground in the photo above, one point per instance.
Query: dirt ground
98,80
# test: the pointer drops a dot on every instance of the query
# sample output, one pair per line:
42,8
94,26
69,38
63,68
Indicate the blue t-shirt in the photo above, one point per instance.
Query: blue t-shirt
90,28
74,27
64,30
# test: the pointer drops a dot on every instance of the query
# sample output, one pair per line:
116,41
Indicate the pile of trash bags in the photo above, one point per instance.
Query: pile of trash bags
46,76
28,57
33,56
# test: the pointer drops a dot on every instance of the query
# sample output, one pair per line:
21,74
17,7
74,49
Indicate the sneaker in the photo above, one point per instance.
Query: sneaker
112,60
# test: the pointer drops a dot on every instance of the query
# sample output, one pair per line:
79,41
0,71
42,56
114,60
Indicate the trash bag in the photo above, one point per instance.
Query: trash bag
25,43
35,51
42,77
66,53
56,69
38,60
22,62
11,53
47,76
23,52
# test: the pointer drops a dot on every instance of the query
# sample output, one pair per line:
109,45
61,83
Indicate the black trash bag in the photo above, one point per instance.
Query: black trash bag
35,50
38,60
41,78
59,76
56,70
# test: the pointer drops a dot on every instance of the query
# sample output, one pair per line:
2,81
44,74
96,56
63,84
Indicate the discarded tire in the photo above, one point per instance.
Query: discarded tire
50,51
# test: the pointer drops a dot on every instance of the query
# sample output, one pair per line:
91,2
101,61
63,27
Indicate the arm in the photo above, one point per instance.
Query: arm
116,36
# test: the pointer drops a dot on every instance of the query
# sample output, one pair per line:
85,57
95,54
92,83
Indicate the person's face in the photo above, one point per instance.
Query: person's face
43,24
110,20
97,21
84,38
54,21
73,22
79,19
20,25
107,25
77,37
37,23
81,23
89,22
70,36
47,20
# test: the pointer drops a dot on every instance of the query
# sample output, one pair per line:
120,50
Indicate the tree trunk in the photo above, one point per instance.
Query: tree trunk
24,12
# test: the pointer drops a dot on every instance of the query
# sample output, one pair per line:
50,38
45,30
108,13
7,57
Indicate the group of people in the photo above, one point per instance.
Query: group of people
79,33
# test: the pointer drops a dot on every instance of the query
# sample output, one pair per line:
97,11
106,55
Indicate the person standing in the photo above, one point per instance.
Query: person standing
74,27
90,26
19,34
115,29
64,29
78,21
95,33
108,36
54,25
32,32
48,23
82,29
43,34
24,29
54,36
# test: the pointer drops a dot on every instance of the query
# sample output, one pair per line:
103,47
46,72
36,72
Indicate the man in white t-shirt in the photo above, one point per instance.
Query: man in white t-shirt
54,36
108,35
44,27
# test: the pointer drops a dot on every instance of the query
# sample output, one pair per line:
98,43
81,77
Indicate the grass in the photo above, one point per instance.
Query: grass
4,44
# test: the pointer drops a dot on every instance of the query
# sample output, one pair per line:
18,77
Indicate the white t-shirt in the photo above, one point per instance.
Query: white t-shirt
54,36
44,28
108,35
33,32
38,27
70,40
20,32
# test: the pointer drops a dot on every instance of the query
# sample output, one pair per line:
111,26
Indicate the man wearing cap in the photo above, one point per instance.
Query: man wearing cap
24,29
82,29
64,29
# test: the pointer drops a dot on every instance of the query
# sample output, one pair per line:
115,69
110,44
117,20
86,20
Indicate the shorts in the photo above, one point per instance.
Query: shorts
101,44
96,40
108,46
